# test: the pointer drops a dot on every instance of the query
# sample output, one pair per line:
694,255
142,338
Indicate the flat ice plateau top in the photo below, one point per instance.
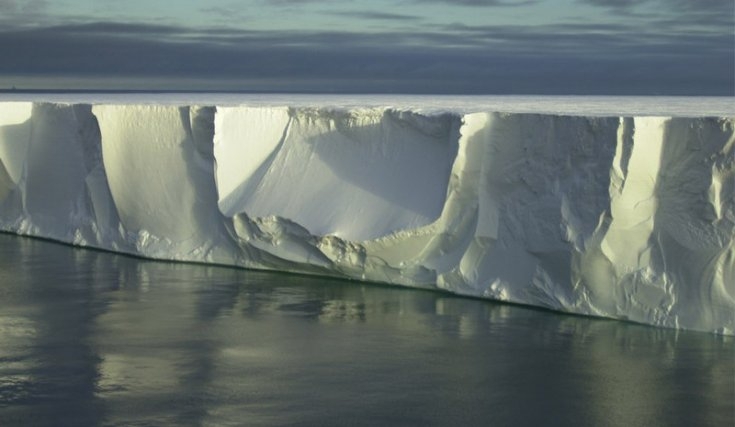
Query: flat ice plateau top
622,216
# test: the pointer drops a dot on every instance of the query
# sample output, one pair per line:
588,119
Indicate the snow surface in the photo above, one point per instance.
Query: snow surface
682,106
617,215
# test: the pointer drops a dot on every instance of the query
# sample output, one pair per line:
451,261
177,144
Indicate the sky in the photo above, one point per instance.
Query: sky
593,47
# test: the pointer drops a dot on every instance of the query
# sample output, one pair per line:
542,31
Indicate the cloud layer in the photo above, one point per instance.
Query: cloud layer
562,58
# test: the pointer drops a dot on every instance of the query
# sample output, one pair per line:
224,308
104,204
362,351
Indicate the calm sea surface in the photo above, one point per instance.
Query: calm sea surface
90,338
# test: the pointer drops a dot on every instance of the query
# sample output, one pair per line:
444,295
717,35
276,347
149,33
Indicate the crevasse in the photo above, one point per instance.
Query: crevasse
622,217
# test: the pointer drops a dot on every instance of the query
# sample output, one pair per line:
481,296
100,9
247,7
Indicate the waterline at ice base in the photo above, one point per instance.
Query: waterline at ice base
623,216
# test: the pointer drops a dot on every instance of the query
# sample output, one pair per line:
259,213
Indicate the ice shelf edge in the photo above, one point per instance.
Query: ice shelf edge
622,217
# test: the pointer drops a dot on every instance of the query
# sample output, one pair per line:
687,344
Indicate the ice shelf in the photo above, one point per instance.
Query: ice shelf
627,217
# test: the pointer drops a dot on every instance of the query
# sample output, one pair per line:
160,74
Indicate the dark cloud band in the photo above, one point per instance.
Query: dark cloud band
563,59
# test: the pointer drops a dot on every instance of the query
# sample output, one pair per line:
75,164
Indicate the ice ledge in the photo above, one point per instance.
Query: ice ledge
622,217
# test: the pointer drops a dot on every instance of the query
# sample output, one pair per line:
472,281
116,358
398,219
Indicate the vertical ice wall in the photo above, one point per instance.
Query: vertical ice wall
15,135
616,217
621,217
160,169
664,250
52,157
540,185
136,180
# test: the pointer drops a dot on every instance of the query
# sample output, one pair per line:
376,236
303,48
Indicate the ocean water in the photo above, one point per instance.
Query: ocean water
90,338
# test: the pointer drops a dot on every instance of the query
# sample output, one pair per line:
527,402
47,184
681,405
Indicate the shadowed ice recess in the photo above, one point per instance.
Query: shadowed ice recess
622,217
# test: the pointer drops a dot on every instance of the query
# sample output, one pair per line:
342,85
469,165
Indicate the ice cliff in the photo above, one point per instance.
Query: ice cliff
622,217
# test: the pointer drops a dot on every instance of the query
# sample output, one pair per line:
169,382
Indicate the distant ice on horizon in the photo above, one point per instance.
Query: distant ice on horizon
676,106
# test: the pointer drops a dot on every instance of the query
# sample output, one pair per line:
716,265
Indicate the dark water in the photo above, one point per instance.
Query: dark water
90,338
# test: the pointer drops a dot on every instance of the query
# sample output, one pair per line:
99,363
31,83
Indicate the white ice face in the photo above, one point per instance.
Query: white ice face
357,175
15,129
626,217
